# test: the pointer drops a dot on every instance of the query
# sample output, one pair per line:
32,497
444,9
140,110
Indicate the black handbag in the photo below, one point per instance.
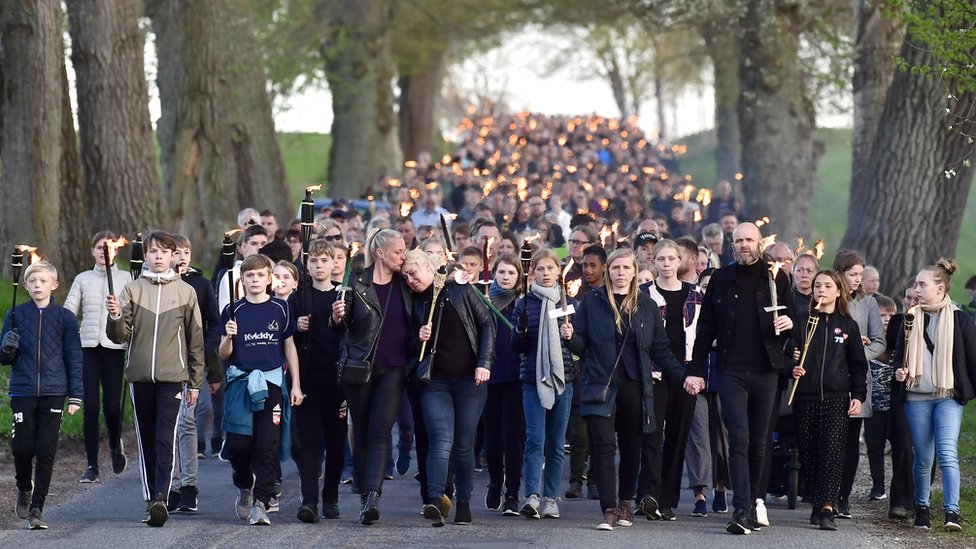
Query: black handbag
599,393
360,372
422,372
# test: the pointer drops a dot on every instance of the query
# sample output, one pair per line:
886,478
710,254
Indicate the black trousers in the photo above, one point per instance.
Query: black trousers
258,453
852,457
875,437
505,435
747,404
156,407
622,428
718,439
821,432
577,436
374,407
763,488
902,492
674,410
316,424
103,369
34,438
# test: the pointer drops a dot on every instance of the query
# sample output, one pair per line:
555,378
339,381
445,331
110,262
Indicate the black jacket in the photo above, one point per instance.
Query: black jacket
210,315
963,356
717,319
835,363
478,322
526,342
364,316
595,339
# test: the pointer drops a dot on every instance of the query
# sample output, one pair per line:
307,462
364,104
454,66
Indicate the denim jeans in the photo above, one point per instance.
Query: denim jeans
185,474
545,435
451,412
935,427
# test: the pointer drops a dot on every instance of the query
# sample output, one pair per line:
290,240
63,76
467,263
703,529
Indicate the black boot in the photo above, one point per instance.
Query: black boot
371,509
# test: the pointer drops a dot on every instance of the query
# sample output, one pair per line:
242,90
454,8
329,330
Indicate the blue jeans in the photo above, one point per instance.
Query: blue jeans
935,427
545,431
451,411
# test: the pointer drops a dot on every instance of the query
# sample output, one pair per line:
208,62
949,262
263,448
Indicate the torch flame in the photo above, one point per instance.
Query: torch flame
704,197
114,245
573,287
762,221
799,246
28,249
354,249
775,267
819,249
491,242
615,226
229,234
313,188
605,233
767,242
697,217
405,208
529,239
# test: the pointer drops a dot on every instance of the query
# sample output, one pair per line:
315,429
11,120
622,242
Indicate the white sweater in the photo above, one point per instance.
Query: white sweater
86,300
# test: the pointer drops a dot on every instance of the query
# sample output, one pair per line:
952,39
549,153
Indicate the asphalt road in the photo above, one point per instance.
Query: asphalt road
107,516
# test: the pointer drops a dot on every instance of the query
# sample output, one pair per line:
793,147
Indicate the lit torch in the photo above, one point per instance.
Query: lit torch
819,249
17,265
799,247
613,229
573,287
353,250
605,233
562,282
110,249
525,257
405,208
228,253
773,271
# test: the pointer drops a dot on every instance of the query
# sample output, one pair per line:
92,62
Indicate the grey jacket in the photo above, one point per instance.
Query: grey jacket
86,300
864,310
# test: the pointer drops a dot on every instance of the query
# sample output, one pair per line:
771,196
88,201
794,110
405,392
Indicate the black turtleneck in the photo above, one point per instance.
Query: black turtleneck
747,351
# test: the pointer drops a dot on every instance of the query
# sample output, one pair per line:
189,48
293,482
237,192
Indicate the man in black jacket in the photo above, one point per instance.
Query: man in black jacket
738,312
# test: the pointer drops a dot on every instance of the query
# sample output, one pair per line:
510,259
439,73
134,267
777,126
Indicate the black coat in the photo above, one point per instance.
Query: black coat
717,320
835,363
364,317
595,339
478,322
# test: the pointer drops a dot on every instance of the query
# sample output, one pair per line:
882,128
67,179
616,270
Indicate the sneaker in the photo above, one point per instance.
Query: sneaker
510,507
346,480
493,498
403,463
173,501
877,494
738,524
479,464
89,476
827,520
923,518
550,508
444,504
762,518
158,513
188,499
308,514
898,513
273,505
719,503
649,506
432,513
330,510
35,521
118,459
592,491
259,515
462,513
245,500
530,509
815,515
23,502
625,513
843,509
668,514
953,522
609,521
701,509
575,490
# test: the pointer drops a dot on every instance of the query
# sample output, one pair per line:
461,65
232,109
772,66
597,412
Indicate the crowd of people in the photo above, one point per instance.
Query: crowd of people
554,285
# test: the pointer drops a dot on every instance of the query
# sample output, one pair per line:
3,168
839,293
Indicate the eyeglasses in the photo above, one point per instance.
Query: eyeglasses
574,242
294,241
333,238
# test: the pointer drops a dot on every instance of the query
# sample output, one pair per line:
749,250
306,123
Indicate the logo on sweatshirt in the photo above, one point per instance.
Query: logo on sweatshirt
276,414
273,327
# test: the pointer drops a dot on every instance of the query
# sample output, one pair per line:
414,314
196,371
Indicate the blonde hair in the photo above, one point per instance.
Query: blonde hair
42,265
541,255
326,224
942,272
378,238
420,258
288,266
666,243
629,305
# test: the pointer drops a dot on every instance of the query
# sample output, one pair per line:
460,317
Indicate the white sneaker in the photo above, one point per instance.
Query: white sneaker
245,500
550,508
259,515
761,517
530,509
273,506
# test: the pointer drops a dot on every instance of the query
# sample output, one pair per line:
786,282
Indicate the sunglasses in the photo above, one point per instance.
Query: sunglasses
333,238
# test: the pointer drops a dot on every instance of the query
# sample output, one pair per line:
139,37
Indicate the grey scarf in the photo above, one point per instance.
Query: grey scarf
550,377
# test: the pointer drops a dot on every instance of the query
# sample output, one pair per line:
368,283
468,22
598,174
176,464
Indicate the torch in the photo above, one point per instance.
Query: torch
16,265
308,222
136,257
565,310
773,271
447,234
228,252
909,324
110,249
812,322
525,257
353,250
439,279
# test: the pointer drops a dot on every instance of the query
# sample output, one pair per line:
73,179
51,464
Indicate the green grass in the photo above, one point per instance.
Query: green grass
306,158
828,209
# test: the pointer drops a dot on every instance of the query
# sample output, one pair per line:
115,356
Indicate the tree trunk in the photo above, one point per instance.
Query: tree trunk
723,49
200,178
33,111
659,99
877,42
75,238
776,120
359,69
617,85
420,93
908,212
117,149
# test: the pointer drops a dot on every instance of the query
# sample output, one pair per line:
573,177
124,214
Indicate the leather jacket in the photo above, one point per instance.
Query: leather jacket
477,320
364,316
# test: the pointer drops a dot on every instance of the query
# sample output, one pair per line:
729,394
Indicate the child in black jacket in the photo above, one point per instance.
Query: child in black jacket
830,387
40,340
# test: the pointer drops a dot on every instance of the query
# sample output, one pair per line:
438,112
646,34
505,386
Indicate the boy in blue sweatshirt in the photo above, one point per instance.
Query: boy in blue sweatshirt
40,340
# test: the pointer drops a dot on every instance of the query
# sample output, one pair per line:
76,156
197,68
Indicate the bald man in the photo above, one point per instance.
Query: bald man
737,312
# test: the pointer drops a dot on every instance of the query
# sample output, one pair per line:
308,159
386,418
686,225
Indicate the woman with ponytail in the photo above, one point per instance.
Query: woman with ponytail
619,333
938,368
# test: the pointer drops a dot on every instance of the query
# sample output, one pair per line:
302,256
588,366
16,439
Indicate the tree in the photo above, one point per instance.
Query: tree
117,149
722,47
35,152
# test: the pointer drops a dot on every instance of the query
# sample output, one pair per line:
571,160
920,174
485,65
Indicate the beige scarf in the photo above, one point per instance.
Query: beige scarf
942,354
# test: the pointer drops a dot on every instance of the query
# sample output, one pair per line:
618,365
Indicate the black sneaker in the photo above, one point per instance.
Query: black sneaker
649,508
35,521
308,514
188,499
827,520
90,475
843,509
173,502
898,513
592,491
118,459
815,515
510,508
877,494
158,513
668,514
493,498
462,513
330,509
739,523
23,502
575,490
953,522
923,518
432,513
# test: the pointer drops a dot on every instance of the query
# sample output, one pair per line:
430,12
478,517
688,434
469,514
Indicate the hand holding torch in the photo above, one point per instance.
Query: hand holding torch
812,322
228,253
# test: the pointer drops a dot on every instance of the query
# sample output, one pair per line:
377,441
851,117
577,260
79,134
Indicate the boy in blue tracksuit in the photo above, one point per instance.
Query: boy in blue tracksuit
40,340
